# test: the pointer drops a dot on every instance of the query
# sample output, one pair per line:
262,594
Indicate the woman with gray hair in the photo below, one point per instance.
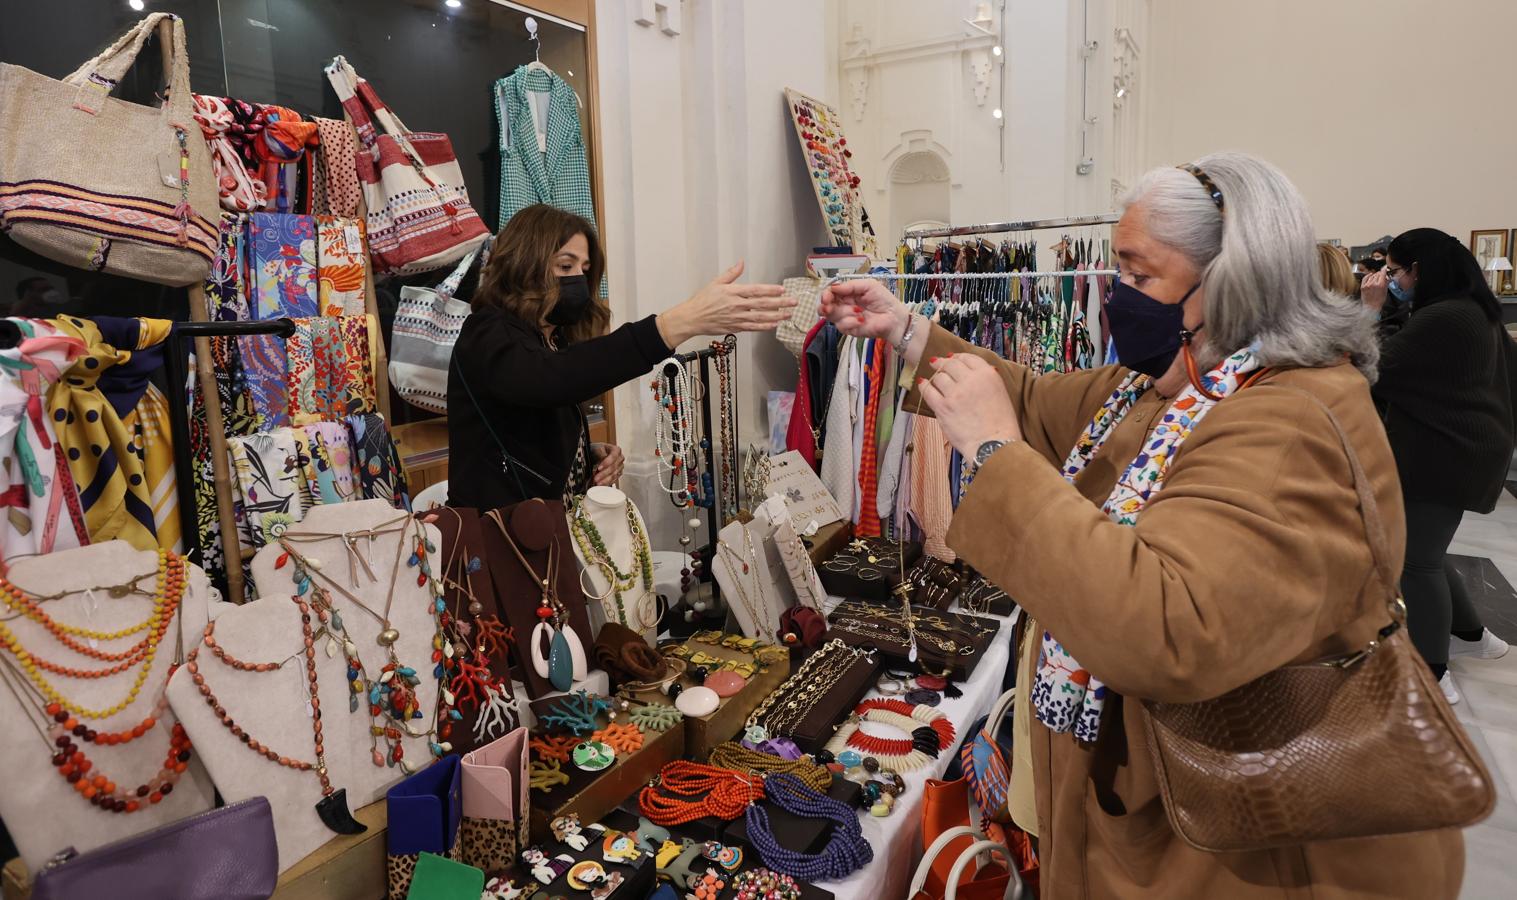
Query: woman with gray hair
1253,555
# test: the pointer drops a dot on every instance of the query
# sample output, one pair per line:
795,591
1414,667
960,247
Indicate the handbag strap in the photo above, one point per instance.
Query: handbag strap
100,75
369,113
931,854
998,712
1013,881
449,286
1369,511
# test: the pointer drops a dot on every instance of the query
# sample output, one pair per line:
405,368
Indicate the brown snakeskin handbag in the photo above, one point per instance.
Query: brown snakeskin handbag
1322,750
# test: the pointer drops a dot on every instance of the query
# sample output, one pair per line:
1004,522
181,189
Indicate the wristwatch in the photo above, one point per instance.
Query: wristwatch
987,448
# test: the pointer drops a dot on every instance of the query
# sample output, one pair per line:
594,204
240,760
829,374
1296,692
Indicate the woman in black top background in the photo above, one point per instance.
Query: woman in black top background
1445,389
536,347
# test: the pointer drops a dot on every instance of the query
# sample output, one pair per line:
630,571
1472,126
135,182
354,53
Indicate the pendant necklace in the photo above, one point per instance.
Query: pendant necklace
592,546
391,692
564,663
333,806
476,684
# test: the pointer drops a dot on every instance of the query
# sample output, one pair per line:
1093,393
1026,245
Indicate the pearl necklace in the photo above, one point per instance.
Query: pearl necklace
673,430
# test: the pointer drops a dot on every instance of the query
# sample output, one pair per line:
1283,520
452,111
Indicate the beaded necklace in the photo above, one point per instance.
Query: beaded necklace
685,791
721,355
331,799
167,596
738,758
592,546
389,693
931,733
673,430
846,850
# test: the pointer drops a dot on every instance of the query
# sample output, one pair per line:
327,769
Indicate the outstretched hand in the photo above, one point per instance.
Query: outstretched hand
864,308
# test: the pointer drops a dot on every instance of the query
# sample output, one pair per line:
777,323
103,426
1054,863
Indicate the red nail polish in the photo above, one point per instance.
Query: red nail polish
920,380
933,359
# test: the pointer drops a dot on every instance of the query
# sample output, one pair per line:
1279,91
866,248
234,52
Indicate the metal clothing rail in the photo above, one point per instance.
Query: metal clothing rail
975,276
175,364
1008,227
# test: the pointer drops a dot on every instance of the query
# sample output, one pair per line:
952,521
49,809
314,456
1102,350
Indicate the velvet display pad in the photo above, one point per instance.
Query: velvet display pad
817,728
625,821
896,652
463,541
868,567
535,526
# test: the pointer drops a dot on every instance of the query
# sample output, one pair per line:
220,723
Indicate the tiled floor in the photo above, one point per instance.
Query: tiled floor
1489,709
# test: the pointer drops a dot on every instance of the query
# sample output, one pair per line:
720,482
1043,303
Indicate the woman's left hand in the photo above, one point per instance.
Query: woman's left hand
969,399
609,463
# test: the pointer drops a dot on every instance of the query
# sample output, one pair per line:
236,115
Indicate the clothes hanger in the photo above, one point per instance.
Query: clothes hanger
537,64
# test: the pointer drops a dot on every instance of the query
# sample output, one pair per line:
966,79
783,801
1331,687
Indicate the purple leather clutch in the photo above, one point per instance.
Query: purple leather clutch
224,854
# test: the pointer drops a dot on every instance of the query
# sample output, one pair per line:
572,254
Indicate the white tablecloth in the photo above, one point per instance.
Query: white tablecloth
897,838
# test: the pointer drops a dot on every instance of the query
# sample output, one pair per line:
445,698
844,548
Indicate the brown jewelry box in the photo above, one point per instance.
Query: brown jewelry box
593,794
819,725
896,652
701,734
828,540
843,574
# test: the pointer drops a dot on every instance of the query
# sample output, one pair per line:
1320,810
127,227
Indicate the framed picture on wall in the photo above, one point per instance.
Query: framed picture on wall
1489,244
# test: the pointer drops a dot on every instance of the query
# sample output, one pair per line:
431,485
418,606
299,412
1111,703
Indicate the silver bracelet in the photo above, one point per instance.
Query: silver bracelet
906,336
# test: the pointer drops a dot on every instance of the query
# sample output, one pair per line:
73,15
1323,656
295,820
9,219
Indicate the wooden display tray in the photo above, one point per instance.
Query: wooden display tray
827,541
348,867
591,795
701,734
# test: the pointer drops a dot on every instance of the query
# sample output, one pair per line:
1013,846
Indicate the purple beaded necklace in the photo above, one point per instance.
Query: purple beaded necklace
846,851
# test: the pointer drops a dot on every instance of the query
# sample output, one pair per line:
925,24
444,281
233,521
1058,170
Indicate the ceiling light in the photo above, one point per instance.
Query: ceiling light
1121,92
996,50
454,4
136,4
996,112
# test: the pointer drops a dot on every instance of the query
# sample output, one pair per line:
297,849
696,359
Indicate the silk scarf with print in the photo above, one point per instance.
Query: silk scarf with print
1065,695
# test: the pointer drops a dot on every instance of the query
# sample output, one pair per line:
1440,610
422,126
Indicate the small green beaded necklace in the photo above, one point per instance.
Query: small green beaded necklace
593,547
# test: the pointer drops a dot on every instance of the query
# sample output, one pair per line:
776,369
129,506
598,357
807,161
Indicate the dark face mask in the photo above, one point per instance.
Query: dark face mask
573,301
1146,332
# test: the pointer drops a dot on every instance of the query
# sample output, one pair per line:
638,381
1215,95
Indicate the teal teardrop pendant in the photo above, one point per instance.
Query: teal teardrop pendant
560,662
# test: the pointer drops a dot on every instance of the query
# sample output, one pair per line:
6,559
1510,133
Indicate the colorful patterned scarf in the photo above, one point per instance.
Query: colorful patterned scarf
339,266
328,463
269,478
281,253
1065,695
376,461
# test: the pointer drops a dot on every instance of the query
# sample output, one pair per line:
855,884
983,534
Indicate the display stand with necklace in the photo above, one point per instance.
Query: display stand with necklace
360,555
611,543
536,529
553,649
272,704
100,609
753,589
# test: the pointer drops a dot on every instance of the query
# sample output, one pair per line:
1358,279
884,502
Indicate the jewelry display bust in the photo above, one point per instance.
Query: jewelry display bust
46,812
347,541
610,518
756,591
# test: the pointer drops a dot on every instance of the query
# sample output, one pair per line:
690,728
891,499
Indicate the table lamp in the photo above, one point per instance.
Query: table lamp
1501,284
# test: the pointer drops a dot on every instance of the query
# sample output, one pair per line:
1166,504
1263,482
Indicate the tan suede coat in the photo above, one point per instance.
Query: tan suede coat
1251,556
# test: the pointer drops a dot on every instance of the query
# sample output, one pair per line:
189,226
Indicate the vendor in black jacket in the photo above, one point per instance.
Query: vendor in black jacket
1445,389
535,348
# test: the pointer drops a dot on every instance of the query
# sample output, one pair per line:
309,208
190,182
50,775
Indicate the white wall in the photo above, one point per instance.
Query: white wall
701,169
1388,114
910,82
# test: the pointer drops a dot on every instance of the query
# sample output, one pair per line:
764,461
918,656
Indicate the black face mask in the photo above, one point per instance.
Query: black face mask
1372,264
573,301
1147,332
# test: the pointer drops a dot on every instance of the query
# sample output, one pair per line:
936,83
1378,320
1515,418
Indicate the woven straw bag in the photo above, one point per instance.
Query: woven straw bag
96,182
419,217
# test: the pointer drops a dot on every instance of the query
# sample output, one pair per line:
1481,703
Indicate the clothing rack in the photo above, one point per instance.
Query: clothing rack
199,332
713,515
973,276
1008,227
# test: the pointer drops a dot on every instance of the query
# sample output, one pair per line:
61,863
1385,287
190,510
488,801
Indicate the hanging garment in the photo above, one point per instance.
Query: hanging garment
226,296
329,462
858,394
542,150
822,359
269,478
931,503
837,453
895,474
800,436
376,461
116,431
340,257
42,511
281,252
869,472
